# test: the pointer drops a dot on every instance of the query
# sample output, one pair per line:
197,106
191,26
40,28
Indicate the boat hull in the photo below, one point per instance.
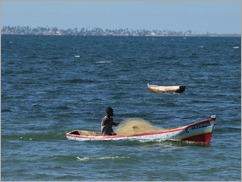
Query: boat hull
199,132
166,89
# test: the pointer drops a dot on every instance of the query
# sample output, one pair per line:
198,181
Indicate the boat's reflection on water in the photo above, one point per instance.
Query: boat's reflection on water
169,144
144,144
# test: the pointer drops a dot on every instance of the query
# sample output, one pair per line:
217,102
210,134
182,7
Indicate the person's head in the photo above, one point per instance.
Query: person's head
109,111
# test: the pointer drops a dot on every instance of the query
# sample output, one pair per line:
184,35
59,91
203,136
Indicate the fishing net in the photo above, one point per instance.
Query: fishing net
135,126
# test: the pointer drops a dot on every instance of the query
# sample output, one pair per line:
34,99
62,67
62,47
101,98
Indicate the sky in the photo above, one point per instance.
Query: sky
221,17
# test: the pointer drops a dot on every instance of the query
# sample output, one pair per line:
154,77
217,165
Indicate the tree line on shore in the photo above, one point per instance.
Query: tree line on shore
26,30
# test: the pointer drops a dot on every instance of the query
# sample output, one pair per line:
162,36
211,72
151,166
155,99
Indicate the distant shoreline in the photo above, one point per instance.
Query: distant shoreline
193,35
46,31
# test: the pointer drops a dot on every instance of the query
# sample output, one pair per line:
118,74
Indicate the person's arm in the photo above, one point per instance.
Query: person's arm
116,124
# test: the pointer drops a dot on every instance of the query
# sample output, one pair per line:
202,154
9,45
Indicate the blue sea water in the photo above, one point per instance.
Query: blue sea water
55,84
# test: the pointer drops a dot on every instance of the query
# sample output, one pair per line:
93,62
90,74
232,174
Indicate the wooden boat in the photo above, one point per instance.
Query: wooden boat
166,89
198,132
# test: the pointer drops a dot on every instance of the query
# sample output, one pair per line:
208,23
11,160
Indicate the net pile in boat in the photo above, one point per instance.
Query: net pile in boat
135,126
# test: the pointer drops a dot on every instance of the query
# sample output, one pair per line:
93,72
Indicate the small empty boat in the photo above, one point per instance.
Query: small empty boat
166,89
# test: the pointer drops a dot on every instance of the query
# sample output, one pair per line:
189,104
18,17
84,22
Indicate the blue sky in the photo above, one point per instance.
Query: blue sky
198,16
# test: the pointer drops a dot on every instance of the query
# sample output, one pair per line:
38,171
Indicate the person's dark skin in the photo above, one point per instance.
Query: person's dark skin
107,123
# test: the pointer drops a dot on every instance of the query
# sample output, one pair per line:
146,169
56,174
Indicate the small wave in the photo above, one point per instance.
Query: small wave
115,157
46,136
63,107
78,80
103,62
236,47
6,110
83,158
228,130
76,56
101,158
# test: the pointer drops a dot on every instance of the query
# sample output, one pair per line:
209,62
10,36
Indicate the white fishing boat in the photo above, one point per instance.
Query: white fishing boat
198,132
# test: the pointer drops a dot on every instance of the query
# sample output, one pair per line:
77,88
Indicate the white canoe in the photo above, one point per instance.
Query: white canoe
166,89
199,132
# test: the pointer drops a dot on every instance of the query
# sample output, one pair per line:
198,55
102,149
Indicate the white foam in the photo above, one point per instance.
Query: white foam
102,158
83,158
103,62
114,157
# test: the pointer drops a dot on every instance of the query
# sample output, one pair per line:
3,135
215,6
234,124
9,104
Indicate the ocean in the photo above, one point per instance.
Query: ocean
55,84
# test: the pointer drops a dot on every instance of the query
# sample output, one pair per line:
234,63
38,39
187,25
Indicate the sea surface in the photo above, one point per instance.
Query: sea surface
54,84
